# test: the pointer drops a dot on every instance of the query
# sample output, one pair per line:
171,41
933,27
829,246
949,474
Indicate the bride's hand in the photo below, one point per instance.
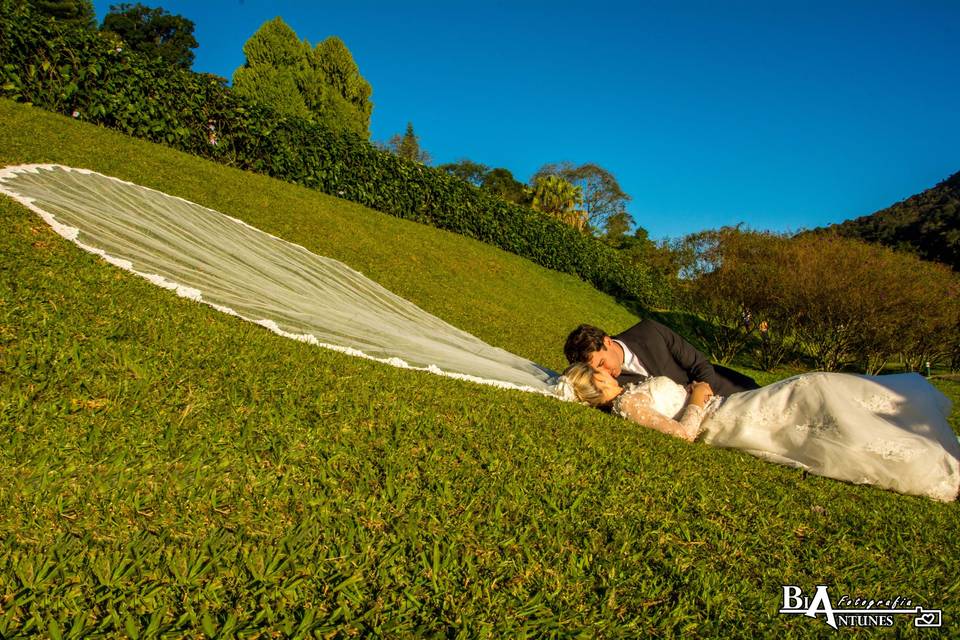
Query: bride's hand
700,392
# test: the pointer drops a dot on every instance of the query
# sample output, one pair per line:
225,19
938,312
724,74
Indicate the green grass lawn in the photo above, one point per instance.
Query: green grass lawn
166,470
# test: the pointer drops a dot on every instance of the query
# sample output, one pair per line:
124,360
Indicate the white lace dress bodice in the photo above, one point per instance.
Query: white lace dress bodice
889,431
661,404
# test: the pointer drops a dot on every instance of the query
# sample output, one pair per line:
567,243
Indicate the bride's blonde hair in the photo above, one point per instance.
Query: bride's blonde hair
580,375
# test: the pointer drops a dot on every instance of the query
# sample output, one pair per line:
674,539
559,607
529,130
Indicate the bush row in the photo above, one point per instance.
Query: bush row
842,301
81,73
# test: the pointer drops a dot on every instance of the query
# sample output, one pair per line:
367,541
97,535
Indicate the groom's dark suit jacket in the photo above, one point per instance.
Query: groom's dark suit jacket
664,353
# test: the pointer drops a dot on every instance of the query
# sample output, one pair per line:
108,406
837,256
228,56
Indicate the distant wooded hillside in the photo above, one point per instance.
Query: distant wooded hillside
927,224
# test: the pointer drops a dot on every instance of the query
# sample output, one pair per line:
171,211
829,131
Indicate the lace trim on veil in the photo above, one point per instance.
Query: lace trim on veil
72,193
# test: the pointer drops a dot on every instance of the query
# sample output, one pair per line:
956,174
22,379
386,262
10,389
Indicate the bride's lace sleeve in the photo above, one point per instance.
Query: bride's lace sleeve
636,406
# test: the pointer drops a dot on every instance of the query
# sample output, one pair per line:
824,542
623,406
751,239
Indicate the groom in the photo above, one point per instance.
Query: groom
648,349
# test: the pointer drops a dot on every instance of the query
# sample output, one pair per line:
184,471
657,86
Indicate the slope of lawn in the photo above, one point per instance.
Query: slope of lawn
166,470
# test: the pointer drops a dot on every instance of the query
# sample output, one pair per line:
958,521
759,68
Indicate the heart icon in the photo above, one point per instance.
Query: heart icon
928,619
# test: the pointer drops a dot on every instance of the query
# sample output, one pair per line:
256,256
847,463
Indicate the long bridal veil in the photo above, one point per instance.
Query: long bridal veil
209,257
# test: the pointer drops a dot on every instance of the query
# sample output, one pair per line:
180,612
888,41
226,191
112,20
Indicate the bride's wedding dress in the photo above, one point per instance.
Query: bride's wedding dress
889,431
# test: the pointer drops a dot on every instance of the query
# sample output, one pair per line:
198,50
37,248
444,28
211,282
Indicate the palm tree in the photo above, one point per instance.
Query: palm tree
559,198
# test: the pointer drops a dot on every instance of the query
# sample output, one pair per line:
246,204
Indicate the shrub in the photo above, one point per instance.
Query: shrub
78,72
844,301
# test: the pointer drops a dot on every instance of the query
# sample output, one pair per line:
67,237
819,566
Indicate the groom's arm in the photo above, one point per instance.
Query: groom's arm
688,358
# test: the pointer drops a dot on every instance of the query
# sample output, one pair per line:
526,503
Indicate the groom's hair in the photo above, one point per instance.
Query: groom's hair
583,342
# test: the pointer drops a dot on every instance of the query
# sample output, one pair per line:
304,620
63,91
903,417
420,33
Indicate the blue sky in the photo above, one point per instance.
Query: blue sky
782,115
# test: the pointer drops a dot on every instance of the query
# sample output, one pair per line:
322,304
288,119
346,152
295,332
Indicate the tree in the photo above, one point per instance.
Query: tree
501,183
844,301
274,87
408,146
719,266
74,12
153,32
927,224
663,257
275,70
618,225
472,172
344,88
559,198
602,195
321,84
276,45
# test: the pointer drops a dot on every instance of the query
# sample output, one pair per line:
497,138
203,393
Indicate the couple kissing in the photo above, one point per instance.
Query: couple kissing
650,349
890,431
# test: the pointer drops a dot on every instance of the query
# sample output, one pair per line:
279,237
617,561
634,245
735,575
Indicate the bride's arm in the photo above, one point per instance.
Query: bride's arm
636,407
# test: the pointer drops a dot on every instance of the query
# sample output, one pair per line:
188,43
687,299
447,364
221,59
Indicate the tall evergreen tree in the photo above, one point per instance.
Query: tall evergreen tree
341,77
408,146
275,44
276,70
153,32
320,83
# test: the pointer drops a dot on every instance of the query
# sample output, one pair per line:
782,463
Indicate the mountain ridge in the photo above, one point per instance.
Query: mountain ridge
927,224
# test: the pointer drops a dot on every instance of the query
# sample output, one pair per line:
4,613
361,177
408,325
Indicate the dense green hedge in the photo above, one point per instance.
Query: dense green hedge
80,73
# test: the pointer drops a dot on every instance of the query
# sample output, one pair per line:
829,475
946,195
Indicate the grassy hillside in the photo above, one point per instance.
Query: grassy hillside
166,468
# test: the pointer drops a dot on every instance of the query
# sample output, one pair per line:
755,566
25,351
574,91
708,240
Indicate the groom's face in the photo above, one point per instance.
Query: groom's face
609,359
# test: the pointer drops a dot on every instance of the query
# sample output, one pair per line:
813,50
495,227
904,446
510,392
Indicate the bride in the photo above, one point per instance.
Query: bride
889,431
